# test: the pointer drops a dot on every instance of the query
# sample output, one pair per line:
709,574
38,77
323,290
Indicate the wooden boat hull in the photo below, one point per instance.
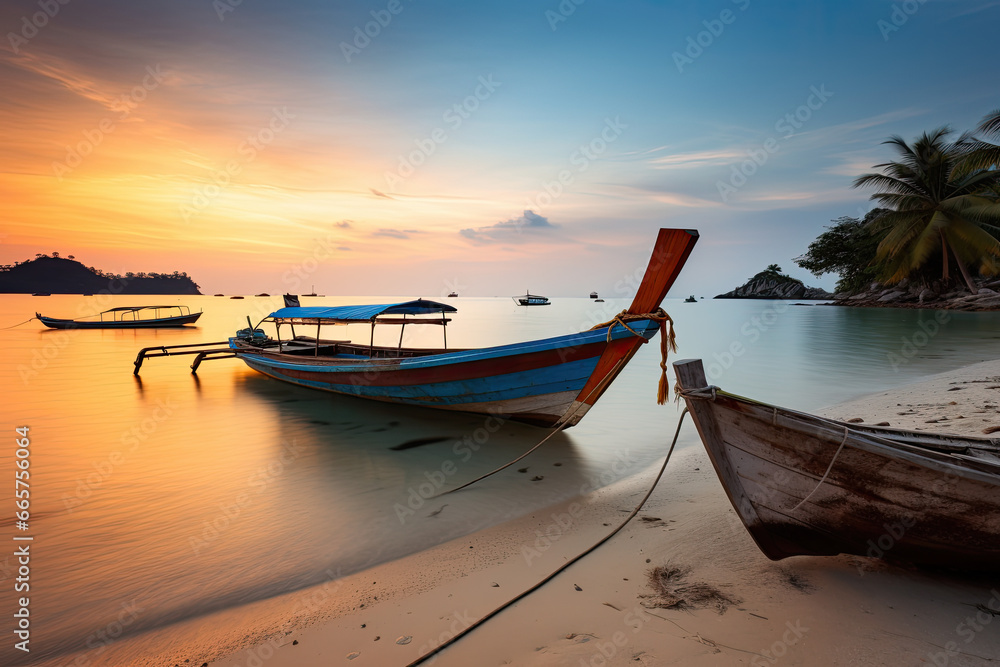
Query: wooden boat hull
889,494
156,323
538,382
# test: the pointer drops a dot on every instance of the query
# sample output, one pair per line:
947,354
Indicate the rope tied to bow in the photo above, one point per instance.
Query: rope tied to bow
668,339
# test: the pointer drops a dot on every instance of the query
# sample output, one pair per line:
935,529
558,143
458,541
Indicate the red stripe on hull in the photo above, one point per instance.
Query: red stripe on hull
394,377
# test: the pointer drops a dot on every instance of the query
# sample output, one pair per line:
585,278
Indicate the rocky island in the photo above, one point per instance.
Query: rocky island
771,283
57,275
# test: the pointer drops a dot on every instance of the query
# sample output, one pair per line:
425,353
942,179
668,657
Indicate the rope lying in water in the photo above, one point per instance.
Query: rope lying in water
564,566
562,425
668,340
17,325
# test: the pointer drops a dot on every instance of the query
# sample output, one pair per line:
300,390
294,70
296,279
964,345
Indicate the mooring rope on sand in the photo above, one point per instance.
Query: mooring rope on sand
563,567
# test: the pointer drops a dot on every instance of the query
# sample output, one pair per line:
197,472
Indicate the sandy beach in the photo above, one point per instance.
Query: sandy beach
715,599
681,584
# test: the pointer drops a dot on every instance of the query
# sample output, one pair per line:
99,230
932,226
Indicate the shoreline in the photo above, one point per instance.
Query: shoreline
722,601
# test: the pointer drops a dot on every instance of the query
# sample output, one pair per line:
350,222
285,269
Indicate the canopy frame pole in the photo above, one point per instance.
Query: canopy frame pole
444,328
371,343
316,353
402,328
277,328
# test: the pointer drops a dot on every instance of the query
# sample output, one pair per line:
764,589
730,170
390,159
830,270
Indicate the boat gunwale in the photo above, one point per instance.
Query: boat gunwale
333,365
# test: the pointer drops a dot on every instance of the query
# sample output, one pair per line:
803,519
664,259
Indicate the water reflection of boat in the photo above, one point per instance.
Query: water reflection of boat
805,485
128,317
550,382
531,300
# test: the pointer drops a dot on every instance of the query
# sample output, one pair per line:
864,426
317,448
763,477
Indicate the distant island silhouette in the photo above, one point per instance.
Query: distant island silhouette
58,275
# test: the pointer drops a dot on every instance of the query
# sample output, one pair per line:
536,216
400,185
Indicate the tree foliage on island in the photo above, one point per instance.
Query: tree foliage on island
847,248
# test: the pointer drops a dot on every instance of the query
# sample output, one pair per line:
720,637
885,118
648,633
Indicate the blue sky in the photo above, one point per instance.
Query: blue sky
497,102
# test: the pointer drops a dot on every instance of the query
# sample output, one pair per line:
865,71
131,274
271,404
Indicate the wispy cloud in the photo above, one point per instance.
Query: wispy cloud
529,224
387,232
696,159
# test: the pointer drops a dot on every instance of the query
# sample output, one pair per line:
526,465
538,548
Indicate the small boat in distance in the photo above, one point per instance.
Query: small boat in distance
41,294
236,297
808,486
593,295
128,317
551,382
691,299
598,300
313,293
531,300
263,294
220,295
452,294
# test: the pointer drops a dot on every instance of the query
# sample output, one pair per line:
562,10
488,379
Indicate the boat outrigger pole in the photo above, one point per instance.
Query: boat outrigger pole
203,354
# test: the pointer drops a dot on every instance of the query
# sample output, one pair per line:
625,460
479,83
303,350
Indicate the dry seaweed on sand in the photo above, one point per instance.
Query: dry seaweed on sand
672,591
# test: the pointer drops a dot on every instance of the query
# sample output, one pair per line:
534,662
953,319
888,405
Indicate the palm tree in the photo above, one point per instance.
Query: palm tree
983,154
936,200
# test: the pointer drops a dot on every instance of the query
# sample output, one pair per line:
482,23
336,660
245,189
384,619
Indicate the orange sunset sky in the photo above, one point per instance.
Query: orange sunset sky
487,147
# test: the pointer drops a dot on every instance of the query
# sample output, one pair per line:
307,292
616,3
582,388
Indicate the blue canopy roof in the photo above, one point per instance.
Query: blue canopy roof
363,313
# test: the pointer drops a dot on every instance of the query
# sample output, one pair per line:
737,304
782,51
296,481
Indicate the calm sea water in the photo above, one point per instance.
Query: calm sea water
169,497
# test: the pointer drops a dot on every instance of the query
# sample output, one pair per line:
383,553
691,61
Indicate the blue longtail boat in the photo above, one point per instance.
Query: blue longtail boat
551,382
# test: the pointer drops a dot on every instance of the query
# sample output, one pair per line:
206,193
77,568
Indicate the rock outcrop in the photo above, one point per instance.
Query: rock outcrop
772,285
917,295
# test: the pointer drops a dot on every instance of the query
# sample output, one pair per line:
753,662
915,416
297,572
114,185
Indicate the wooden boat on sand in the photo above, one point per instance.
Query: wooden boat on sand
128,317
804,485
550,382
